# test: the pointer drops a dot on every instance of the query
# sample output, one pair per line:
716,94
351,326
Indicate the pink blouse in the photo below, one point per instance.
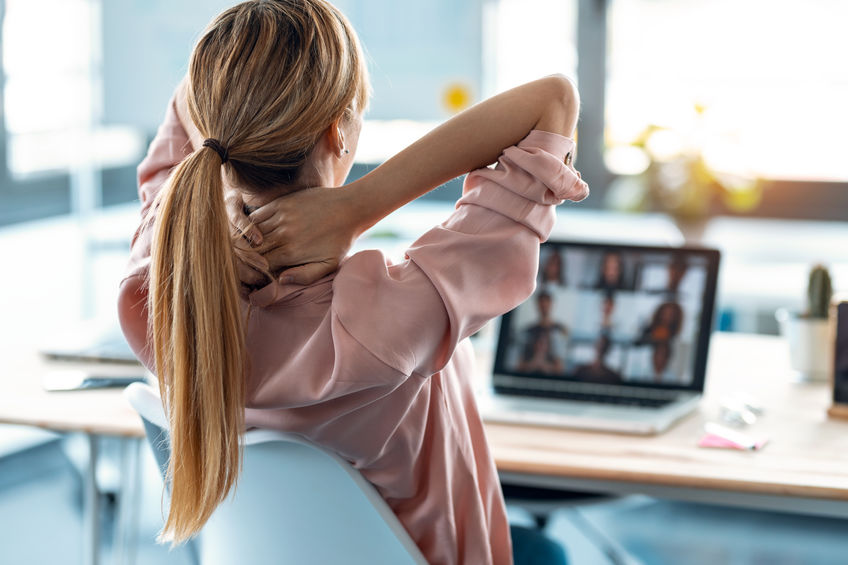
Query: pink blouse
373,361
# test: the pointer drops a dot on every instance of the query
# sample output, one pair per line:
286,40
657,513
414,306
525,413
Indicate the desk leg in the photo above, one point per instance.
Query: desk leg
91,513
129,502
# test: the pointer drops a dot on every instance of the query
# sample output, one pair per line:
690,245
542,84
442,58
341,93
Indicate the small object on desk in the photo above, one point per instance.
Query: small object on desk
751,403
739,410
77,379
723,437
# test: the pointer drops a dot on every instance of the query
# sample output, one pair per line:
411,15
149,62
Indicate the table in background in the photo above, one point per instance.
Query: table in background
95,413
803,468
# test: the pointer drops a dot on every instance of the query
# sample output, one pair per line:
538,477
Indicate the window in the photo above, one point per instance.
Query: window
51,81
528,39
760,86
485,46
54,143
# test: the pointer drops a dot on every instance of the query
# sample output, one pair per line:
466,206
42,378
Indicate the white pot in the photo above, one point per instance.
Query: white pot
810,345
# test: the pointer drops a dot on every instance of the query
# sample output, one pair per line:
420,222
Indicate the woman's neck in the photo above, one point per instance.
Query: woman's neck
255,200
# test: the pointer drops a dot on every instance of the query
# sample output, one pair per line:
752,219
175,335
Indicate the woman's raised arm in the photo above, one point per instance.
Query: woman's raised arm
313,228
471,140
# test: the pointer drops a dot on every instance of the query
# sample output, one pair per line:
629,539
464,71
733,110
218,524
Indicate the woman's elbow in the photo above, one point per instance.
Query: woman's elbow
132,314
563,107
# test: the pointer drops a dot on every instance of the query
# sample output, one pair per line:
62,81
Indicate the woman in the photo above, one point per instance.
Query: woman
539,355
665,324
370,360
553,271
611,277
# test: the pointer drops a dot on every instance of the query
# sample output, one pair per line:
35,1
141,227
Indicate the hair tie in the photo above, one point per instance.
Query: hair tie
222,151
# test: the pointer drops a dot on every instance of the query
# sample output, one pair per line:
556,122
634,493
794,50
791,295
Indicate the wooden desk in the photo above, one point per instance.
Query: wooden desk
93,412
97,412
804,467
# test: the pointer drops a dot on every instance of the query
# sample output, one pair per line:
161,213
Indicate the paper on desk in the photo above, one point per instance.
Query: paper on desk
709,440
725,438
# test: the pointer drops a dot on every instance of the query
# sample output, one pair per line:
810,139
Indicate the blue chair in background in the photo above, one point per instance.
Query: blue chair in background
295,503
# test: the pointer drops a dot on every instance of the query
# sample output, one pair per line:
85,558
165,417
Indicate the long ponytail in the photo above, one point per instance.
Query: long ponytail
198,341
266,80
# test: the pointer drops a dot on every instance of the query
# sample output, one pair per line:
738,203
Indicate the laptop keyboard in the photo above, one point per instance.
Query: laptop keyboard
588,397
610,395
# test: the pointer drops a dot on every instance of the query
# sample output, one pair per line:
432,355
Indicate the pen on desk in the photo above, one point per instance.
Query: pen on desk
743,441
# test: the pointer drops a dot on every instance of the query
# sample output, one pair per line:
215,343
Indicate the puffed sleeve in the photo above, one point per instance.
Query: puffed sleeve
480,263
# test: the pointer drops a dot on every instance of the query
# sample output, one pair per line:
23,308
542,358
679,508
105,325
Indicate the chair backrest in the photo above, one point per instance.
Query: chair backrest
295,503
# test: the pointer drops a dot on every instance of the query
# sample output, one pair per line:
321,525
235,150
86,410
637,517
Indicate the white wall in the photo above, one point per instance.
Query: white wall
146,45
415,50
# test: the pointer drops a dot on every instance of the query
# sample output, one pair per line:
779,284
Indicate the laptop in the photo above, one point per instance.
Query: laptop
89,355
90,342
614,338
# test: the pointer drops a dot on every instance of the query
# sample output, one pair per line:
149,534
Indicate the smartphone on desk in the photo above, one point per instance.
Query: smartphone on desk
77,379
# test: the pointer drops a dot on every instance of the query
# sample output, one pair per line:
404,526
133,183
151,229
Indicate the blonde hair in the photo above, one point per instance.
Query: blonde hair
266,80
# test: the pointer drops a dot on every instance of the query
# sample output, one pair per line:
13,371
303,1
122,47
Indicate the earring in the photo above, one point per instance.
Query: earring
343,152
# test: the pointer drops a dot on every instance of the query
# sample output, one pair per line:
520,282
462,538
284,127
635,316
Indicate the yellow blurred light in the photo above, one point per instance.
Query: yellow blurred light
456,97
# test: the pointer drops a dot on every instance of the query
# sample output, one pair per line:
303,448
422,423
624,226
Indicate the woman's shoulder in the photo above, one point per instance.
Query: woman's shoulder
391,308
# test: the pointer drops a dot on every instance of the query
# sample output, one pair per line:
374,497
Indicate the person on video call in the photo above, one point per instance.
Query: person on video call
544,334
660,362
597,371
676,271
553,271
665,324
607,311
611,276
546,324
674,275
538,355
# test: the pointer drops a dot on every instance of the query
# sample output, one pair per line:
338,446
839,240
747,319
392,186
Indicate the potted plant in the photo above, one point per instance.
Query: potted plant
810,347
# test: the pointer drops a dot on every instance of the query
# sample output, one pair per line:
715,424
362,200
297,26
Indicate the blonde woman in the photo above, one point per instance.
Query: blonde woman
369,359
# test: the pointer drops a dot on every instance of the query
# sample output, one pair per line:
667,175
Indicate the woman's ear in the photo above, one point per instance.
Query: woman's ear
335,138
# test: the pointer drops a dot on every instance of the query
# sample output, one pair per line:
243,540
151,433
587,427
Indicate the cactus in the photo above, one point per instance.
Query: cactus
819,292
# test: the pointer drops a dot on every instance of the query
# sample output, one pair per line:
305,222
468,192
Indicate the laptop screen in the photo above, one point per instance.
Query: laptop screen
612,315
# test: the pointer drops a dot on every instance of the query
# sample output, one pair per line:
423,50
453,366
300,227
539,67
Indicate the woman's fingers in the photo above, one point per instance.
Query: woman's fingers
249,276
266,212
253,269
248,231
239,221
307,228
278,258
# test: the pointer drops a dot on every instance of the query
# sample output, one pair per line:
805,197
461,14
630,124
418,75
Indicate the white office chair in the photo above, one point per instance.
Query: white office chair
295,503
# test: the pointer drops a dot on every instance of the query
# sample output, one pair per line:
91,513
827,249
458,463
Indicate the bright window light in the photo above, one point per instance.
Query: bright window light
529,39
768,78
52,90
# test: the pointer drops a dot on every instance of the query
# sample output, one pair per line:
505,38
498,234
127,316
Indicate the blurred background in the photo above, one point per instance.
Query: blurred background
723,119
712,122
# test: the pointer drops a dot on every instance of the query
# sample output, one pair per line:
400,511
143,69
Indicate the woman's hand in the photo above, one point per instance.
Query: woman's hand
253,268
306,234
